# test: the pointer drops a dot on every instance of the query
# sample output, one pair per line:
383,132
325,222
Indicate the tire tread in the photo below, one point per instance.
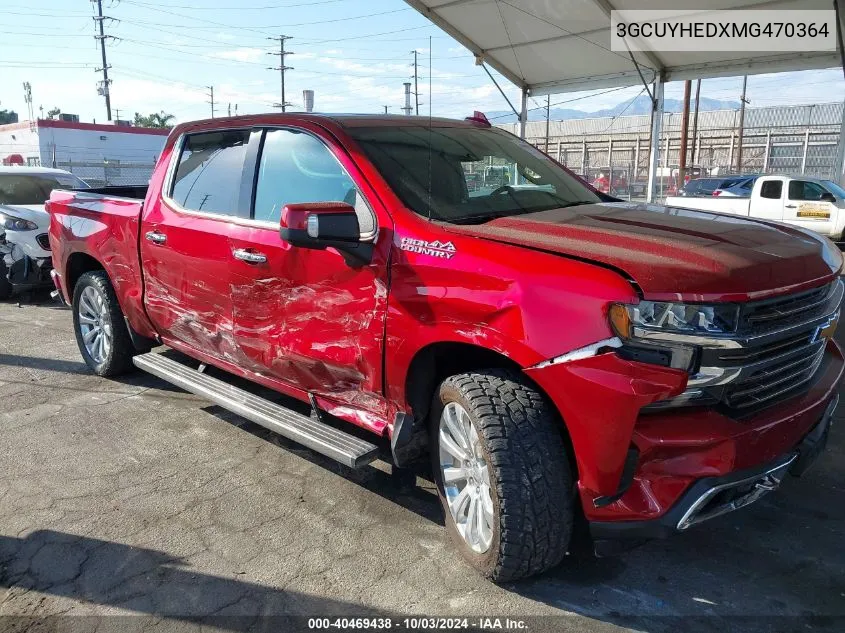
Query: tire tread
523,436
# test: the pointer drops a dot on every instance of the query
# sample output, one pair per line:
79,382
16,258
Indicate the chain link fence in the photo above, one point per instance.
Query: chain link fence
109,172
791,140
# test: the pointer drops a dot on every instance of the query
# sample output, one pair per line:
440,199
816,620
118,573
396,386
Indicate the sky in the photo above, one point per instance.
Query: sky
355,55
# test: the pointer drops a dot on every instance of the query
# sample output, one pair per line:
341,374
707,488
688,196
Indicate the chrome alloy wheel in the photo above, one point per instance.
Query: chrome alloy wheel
95,324
466,477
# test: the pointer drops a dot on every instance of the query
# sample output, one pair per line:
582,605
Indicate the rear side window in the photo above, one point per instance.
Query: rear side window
771,189
210,170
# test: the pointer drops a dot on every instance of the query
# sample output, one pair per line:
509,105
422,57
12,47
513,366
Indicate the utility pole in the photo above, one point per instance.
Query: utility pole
385,109
211,99
548,114
742,102
682,168
695,122
416,89
407,108
116,114
282,67
27,97
104,87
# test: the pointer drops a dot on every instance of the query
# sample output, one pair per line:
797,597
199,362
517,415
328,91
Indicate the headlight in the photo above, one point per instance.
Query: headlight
679,318
11,223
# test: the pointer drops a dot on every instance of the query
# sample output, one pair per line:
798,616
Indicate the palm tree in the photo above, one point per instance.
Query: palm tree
156,119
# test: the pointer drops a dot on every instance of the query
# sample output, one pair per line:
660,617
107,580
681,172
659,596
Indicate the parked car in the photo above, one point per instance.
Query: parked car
706,186
809,203
740,189
559,359
24,245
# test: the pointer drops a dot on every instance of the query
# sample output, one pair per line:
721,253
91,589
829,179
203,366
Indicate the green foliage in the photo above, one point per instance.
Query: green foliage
156,119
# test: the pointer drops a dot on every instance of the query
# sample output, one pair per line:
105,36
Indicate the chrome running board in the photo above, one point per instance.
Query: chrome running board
326,440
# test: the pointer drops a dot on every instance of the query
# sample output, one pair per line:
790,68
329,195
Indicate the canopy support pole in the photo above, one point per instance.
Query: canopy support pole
839,159
656,125
523,113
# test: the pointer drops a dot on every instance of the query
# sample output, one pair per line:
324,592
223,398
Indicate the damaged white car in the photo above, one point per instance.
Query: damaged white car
24,246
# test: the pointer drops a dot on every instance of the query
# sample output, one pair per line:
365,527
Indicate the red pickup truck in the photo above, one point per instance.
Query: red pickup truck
563,359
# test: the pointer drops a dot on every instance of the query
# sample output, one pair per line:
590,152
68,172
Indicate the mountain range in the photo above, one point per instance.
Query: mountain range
640,105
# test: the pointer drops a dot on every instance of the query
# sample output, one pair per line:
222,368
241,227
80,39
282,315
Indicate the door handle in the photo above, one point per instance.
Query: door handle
789,206
250,257
155,237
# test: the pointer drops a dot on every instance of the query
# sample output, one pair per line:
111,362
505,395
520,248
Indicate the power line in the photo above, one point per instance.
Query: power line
282,67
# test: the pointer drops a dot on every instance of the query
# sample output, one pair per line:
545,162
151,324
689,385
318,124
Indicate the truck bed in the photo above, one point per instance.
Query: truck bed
118,191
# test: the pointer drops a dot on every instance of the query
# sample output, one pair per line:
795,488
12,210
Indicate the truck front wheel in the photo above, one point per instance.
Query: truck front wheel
502,473
98,324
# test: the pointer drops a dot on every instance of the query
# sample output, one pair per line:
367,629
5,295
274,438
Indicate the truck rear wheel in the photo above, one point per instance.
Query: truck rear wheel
99,327
502,473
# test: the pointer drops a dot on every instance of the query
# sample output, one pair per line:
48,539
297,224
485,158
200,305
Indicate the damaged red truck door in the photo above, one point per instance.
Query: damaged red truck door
302,316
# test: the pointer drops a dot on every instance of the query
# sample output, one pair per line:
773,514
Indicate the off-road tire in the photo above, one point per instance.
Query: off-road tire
531,478
5,285
119,359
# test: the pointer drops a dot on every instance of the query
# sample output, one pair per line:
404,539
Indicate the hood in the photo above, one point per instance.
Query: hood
32,212
673,253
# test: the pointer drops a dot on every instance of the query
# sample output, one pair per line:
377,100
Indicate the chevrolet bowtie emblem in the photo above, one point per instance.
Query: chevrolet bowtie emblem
826,330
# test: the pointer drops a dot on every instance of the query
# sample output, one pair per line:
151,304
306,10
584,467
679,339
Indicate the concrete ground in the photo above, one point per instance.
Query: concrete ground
131,497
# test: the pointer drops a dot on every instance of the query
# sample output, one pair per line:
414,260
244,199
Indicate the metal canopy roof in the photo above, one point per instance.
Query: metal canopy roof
552,46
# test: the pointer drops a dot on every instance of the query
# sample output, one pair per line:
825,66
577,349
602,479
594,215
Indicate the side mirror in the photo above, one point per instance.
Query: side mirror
827,197
321,225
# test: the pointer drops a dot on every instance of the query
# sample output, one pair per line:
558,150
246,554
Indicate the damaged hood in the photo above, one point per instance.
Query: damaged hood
673,253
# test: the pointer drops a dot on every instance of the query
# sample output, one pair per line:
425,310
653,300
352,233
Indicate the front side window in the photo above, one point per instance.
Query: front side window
210,170
805,190
296,167
468,175
771,189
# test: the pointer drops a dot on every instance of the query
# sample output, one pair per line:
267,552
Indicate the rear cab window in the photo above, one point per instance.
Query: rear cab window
771,189
209,172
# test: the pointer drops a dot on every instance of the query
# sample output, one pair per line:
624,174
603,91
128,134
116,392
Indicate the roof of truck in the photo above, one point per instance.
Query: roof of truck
344,120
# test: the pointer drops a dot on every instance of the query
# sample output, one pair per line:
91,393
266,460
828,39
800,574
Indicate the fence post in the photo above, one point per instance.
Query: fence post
804,155
731,153
637,159
584,157
766,152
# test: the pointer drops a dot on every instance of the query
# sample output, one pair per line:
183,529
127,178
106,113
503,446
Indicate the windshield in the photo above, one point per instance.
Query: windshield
835,189
476,174
35,188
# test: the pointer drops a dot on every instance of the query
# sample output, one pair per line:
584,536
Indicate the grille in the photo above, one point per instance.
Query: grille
782,311
776,379
43,241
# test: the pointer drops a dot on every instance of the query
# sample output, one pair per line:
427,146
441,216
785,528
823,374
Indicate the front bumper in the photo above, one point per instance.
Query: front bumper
712,497
669,453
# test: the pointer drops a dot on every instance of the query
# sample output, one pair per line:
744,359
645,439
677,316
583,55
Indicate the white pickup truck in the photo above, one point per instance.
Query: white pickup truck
811,203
